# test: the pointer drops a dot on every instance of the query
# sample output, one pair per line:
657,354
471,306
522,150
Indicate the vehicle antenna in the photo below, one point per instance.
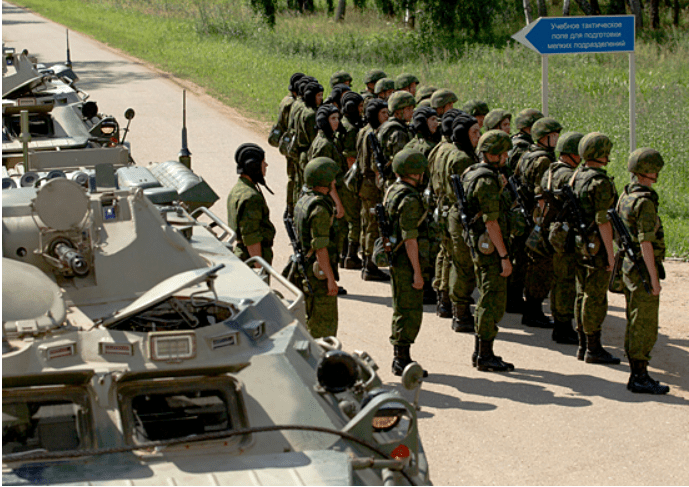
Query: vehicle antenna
184,153
69,59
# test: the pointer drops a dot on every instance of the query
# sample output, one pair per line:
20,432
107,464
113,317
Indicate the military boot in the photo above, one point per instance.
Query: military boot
402,359
515,301
533,314
563,333
462,319
488,362
474,356
641,382
371,272
596,354
444,309
352,260
581,351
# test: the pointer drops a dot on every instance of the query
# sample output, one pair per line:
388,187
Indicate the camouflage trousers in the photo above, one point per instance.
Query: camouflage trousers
443,262
591,304
564,291
352,207
291,180
407,302
370,196
642,318
492,298
520,261
242,252
321,309
539,276
462,277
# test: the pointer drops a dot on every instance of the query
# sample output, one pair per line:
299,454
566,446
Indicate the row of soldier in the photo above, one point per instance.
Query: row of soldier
500,213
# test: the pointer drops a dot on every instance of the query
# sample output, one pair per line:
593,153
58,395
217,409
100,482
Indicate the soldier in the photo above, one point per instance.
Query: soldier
487,211
462,280
370,190
247,211
293,151
425,125
313,216
306,128
404,205
384,88
370,80
498,119
340,77
596,194
522,140
477,109
563,292
443,100
533,271
336,95
424,93
406,82
352,122
638,208
394,134
436,166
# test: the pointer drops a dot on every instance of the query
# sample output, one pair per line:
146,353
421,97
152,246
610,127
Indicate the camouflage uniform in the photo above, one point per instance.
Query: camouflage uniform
313,217
292,121
283,124
369,192
351,203
521,143
248,215
393,135
421,144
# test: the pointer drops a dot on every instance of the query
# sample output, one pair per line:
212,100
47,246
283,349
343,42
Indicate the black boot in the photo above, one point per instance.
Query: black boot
474,356
534,316
352,260
641,382
515,301
462,319
596,354
488,362
371,272
343,253
563,333
444,309
402,359
429,295
581,351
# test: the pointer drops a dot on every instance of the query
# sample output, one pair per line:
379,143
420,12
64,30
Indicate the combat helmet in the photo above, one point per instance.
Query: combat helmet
340,77
544,126
494,142
399,100
384,84
476,107
404,80
442,97
494,117
526,118
594,146
409,161
320,171
374,75
424,93
645,161
568,143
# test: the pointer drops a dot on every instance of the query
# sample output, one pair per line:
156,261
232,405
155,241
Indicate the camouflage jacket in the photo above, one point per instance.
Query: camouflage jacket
596,194
393,135
322,146
638,208
407,214
306,128
483,187
436,166
313,220
347,139
284,111
248,215
520,143
421,144
456,162
530,170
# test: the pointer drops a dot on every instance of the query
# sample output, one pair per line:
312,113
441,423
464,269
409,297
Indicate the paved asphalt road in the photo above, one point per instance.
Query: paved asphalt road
554,420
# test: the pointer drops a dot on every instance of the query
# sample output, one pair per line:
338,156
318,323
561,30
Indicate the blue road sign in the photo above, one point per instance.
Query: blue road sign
576,35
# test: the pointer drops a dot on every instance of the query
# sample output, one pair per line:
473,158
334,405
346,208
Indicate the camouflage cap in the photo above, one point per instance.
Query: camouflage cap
526,118
568,143
594,146
404,80
476,107
384,84
442,97
424,93
399,100
373,76
494,117
544,126
494,142
320,171
340,77
645,161
409,161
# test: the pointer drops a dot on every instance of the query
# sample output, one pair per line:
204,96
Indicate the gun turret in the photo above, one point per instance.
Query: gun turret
71,259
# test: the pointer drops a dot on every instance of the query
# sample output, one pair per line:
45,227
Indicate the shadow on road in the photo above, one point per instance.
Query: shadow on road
382,300
439,401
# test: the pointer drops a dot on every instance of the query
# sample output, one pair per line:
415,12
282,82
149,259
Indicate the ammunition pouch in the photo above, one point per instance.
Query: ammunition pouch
537,243
588,245
558,237
517,222
288,145
275,135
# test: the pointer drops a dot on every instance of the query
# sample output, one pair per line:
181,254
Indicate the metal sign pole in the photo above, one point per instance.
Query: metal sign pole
632,102
544,84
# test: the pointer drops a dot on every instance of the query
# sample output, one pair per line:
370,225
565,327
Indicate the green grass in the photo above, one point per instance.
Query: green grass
219,45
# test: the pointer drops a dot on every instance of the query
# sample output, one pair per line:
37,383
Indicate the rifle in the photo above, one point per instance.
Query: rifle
515,187
298,256
385,230
461,201
572,207
627,246
381,162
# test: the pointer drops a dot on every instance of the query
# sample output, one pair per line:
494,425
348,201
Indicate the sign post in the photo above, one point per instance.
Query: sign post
582,35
